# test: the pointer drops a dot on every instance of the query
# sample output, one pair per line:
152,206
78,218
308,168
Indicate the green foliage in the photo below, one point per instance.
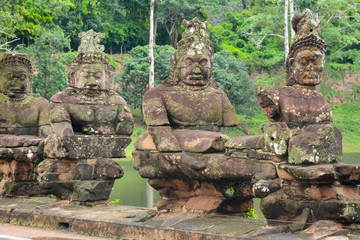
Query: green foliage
270,80
234,80
134,78
346,118
49,63
250,213
114,201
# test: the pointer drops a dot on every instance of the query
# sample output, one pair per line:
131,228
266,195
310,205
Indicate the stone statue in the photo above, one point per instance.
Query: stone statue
182,153
299,101
21,112
79,166
310,183
24,121
90,105
190,98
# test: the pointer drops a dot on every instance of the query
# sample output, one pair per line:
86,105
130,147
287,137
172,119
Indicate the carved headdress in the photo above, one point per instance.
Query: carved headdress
306,26
195,40
14,60
91,51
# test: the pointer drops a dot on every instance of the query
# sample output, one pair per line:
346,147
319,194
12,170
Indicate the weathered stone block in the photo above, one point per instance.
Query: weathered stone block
314,144
11,141
86,146
276,137
347,173
319,173
276,206
108,169
92,190
22,189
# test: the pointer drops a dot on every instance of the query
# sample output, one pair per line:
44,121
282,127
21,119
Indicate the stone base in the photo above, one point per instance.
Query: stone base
196,196
86,146
82,191
23,189
278,206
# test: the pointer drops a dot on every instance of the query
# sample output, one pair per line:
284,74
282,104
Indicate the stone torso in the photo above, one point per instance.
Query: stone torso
295,104
178,107
23,117
92,115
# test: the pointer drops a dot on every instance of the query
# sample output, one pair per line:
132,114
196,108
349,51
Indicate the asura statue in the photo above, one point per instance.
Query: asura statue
21,111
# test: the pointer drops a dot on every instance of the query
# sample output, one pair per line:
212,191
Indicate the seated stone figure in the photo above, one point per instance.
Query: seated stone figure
310,182
24,119
299,104
299,101
190,98
90,105
183,153
92,124
21,112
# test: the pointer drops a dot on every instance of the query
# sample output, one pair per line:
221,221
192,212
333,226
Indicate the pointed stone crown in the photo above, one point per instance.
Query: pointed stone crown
90,49
15,59
195,38
306,27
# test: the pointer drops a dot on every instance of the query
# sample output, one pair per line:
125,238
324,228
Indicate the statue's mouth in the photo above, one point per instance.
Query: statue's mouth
197,77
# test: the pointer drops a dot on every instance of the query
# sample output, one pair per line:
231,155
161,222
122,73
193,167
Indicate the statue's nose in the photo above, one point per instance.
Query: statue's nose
91,81
197,70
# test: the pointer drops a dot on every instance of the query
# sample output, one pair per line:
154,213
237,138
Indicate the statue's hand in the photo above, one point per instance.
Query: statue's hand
63,129
165,140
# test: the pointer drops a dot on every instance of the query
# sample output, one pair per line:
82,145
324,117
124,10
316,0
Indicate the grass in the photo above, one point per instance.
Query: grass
345,117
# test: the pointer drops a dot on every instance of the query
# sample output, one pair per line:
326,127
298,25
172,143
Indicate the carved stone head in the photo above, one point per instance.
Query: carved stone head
305,61
192,63
91,70
16,74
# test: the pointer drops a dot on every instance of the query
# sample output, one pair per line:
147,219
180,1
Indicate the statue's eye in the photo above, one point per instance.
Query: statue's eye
10,76
203,62
98,74
188,61
304,60
22,77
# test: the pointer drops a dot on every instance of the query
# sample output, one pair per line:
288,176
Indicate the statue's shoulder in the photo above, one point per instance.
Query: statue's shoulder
159,90
59,97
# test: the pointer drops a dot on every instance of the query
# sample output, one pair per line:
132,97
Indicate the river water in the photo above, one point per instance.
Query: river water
133,190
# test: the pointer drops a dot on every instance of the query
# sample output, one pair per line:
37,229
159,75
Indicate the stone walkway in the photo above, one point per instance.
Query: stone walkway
114,221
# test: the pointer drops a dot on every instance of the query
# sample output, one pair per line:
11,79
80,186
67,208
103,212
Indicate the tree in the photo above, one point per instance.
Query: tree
48,61
134,79
151,45
286,28
231,74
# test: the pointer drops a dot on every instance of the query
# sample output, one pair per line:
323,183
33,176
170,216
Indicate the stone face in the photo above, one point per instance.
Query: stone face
316,144
86,146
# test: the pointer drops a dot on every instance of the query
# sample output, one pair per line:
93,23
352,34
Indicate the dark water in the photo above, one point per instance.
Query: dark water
132,190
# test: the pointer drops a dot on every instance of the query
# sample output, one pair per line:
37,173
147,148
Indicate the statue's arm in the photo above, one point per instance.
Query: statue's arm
125,121
156,118
229,115
60,120
269,102
44,123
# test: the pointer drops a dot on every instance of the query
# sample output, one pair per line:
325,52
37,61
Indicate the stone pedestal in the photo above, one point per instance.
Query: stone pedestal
80,168
19,156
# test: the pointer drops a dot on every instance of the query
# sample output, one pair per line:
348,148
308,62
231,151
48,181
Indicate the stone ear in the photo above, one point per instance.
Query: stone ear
291,62
173,61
